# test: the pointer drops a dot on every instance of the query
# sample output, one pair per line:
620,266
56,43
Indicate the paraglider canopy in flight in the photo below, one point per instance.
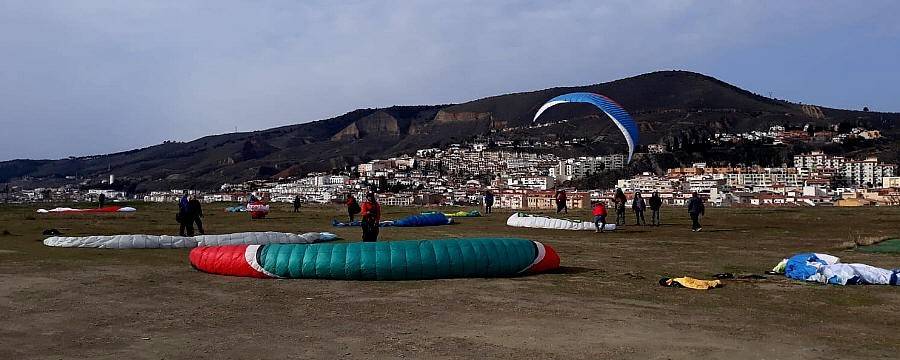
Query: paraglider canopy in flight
615,112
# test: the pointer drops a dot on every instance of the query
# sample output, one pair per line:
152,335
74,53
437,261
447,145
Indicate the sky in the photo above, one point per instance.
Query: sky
93,77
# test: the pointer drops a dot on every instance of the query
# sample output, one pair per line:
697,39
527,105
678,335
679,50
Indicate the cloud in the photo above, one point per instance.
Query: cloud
96,77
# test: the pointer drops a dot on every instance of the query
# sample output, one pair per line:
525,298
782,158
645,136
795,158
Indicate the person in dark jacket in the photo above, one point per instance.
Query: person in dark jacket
296,204
371,217
352,206
696,209
561,202
639,205
619,199
195,212
655,205
186,223
101,200
488,202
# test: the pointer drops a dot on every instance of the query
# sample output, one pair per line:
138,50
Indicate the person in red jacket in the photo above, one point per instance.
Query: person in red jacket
371,216
599,212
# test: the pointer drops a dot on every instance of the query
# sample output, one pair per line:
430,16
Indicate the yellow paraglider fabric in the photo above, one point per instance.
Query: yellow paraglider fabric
698,284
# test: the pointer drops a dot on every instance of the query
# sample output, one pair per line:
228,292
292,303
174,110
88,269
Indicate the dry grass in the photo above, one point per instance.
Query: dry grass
604,303
857,240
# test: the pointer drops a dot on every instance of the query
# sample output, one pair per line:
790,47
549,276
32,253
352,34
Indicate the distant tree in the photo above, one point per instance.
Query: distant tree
865,108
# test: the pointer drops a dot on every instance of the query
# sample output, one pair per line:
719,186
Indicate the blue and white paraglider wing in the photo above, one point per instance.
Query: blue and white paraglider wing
615,112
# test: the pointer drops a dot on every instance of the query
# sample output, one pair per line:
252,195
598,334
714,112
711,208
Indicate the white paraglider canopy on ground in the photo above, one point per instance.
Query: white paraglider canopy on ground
544,222
141,241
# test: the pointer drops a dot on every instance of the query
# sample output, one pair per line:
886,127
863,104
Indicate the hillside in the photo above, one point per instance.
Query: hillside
672,107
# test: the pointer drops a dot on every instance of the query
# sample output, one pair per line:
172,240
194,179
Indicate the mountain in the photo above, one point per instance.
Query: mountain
676,108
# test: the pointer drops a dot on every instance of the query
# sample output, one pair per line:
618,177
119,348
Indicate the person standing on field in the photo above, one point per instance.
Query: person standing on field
297,204
371,216
352,207
619,200
488,202
195,213
185,222
655,205
696,209
638,205
561,202
599,212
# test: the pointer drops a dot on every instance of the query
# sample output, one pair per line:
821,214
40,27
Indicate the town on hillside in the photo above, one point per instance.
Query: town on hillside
460,174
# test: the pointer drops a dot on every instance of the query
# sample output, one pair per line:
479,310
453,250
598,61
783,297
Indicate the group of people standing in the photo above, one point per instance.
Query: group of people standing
370,213
639,205
190,212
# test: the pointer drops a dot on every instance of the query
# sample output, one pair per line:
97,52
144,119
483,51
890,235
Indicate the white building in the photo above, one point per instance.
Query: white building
765,178
109,194
396,199
868,172
890,182
534,182
646,183
580,167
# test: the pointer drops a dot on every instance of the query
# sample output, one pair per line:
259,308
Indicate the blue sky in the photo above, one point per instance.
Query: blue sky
89,77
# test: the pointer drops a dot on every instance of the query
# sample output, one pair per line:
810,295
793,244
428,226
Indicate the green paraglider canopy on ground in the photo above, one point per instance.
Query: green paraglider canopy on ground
887,246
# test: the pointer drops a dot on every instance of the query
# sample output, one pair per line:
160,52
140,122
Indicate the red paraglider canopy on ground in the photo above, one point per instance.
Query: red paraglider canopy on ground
258,210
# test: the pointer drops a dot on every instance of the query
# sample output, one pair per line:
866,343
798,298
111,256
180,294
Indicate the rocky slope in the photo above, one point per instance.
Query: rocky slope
672,107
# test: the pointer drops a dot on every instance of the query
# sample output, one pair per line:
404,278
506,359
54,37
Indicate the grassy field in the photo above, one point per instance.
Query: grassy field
603,303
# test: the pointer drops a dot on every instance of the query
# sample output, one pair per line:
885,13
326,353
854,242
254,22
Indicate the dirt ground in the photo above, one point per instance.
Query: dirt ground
604,303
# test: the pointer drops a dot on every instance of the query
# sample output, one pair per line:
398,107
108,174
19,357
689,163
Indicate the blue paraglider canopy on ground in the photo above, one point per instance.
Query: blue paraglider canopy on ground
429,219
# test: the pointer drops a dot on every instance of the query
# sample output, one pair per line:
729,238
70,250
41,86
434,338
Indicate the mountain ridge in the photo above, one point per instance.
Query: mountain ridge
668,105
